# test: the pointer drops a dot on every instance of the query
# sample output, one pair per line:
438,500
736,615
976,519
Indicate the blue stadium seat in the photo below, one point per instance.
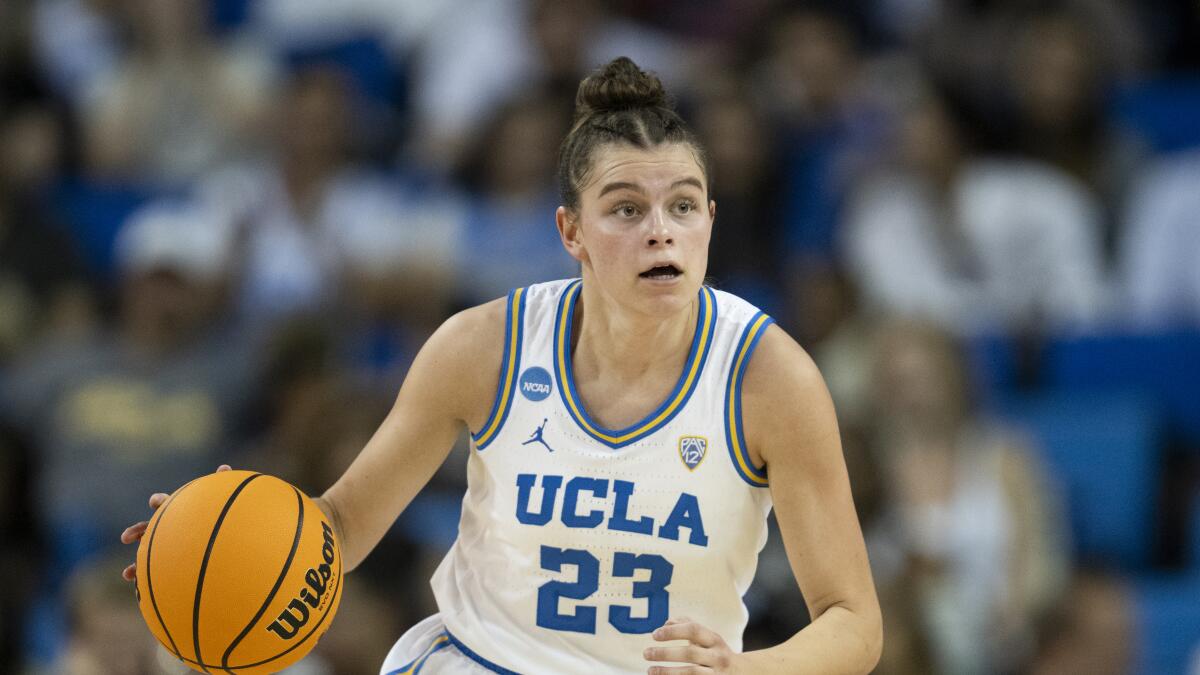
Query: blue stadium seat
1164,366
363,58
1164,111
228,15
1102,449
994,365
95,213
1167,624
72,544
1193,534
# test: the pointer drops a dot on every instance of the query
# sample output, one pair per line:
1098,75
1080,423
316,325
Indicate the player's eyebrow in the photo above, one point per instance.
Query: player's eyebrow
613,187
620,185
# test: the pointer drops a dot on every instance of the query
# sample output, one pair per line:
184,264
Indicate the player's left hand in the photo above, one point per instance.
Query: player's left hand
706,650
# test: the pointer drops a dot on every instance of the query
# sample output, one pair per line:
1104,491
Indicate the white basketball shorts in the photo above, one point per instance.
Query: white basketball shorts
428,649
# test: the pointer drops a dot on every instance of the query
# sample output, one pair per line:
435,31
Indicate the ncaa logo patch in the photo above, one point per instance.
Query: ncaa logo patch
692,450
535,384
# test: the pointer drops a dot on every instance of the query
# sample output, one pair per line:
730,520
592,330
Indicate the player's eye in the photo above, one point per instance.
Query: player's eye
626,210
685,207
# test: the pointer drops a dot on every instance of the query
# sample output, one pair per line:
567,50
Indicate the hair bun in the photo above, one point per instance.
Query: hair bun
619,85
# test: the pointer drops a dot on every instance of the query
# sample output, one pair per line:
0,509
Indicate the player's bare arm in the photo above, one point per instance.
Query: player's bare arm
791,424
791,427
450,386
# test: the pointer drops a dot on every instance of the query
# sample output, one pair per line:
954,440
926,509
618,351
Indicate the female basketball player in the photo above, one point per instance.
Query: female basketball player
630,432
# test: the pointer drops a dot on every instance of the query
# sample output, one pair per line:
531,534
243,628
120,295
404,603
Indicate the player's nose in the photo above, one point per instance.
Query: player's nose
658,229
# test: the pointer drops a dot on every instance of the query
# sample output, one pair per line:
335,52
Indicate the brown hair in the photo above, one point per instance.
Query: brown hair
619,103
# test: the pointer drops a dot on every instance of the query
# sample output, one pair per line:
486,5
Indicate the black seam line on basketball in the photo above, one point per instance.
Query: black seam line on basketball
212,540
336,590
287,565
149,578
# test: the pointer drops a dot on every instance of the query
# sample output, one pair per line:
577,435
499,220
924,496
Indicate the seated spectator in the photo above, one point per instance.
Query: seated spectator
974,244
1092,630
1161,246
178,103
817,91
510,236
474,59
742,258
308,210
106,633
970,530
150,405
816,86
399,277
1058,77
108,636
44,293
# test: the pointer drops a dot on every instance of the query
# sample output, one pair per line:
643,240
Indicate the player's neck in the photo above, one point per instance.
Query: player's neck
627,345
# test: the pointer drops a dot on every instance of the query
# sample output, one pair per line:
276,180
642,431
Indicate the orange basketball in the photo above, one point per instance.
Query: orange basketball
239,572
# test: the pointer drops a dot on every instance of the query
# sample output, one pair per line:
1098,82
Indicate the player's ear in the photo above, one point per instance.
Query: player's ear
712,210
567,220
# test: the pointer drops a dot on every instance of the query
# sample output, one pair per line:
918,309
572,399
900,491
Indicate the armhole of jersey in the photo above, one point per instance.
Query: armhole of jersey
735,437
514,329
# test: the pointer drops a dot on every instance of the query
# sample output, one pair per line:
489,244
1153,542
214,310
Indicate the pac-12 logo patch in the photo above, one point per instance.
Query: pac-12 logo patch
535,383
692,449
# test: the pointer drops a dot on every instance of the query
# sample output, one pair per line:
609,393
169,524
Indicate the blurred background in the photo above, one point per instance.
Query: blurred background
226,226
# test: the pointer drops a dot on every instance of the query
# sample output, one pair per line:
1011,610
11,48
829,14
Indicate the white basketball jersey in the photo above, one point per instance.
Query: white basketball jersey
577,541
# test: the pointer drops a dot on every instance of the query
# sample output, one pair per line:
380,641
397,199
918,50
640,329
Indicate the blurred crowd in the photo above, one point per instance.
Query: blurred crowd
227,225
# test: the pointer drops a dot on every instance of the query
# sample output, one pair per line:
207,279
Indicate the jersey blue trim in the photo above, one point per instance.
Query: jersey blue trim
479,659
735,437
693,368
414,667
510,367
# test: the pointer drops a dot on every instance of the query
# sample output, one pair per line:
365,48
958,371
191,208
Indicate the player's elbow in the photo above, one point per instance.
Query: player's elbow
873,640
866,647
870,629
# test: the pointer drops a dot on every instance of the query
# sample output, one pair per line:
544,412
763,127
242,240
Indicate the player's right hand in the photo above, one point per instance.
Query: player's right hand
133,533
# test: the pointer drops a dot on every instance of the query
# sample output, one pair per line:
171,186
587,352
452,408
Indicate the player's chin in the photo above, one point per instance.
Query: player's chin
666,296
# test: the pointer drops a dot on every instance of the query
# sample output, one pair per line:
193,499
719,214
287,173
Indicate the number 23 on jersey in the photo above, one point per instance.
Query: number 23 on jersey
686,514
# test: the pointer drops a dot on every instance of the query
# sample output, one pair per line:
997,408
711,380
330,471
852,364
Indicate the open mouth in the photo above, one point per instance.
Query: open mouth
661,272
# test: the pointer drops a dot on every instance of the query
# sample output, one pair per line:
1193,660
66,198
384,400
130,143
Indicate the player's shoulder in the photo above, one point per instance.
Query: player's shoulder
785,402
457,368
472,333
479,317
781,374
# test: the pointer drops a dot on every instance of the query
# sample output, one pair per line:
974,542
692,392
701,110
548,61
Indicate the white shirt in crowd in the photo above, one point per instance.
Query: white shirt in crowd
1013,243
1161,246
293,262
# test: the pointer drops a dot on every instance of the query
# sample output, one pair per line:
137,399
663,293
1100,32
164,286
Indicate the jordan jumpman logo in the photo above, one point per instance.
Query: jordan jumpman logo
537,437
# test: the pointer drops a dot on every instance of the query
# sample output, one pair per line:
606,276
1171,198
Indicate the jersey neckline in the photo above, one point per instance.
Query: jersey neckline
674,402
